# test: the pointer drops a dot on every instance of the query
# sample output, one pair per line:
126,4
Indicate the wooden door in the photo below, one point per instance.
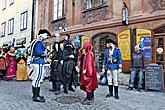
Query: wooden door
159,51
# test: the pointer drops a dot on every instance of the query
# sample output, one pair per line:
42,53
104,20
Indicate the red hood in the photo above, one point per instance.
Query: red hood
88,46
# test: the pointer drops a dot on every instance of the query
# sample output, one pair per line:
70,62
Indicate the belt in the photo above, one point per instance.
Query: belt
113,63
39,56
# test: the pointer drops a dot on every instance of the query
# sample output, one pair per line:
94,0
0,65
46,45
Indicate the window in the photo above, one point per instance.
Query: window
11,26
93,3
3,4
23,20
11,2
3,25
58,9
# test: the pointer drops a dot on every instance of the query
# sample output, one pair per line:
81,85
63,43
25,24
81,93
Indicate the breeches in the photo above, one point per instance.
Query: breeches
112,77
38,74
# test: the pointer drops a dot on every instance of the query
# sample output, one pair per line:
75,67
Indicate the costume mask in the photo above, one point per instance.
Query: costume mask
43,36
62,46
56,46
12,49
21,54
112,46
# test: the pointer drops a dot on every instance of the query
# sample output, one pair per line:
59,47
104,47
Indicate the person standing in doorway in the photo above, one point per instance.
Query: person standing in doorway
137,67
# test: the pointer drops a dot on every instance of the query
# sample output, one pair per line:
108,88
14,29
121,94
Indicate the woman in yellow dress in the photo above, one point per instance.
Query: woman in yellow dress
21,74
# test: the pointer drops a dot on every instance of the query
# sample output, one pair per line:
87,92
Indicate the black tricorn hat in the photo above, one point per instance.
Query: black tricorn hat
62,41
110,41
42,31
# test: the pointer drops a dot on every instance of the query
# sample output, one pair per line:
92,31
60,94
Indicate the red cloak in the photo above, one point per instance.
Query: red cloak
89,79
11,65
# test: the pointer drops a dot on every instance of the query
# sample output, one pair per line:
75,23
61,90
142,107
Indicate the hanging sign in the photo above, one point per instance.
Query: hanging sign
143,39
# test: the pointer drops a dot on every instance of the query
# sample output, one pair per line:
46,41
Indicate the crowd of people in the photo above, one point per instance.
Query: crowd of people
13,63
71,64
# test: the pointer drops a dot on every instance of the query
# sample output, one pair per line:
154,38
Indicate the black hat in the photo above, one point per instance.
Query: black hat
68,36
42,31
62,41
69,45
110,41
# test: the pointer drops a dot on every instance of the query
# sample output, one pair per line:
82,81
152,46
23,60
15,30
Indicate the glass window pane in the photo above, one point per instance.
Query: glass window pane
89,4
26,18
55,2
60,14
54,16
159,57
60,1
55,9
60,6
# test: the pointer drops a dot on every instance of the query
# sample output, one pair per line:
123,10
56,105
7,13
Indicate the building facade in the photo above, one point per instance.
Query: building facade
102,19
16,21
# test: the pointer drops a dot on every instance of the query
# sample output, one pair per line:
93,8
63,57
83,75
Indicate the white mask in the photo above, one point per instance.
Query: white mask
56,46
43,36
66,37
112,45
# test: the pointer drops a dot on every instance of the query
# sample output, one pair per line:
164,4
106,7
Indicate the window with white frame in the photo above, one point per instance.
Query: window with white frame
23,20
3,4
11,2
3,26
11,26
93,3
58,9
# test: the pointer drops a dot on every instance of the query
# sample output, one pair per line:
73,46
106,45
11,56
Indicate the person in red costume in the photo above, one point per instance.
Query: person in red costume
11,64
89,81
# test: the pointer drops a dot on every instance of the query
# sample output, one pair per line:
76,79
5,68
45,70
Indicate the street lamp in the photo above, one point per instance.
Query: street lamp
125,14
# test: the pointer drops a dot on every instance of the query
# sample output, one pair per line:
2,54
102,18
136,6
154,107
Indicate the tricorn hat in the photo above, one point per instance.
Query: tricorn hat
110,41
42,31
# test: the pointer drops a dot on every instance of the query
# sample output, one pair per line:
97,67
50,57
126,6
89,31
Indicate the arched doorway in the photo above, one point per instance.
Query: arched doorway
99,45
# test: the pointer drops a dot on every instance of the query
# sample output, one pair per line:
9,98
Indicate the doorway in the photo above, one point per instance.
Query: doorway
99,46
159,50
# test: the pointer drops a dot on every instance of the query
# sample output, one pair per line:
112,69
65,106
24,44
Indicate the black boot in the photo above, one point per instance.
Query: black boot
110,91
36,97
65,89
71,89
116,92
42,97
92,95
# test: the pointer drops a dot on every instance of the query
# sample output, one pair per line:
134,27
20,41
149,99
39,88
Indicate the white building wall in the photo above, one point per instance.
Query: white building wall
14,11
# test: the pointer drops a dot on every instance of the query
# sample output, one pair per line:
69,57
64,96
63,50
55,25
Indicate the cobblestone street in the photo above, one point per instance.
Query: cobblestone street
17,96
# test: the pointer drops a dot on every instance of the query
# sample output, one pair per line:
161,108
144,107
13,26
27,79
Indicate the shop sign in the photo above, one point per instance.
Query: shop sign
21,41
124,44
159,50
143,39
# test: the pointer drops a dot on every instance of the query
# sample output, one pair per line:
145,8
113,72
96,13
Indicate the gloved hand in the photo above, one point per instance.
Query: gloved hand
77,69
119,70
84,72
71,56
61,62
103,70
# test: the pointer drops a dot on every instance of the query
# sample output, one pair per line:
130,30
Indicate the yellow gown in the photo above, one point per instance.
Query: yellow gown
21,74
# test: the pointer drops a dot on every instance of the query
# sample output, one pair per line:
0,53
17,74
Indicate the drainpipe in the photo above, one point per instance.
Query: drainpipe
33,19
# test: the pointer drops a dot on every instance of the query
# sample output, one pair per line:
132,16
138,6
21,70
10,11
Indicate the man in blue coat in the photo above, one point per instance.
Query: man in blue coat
112,62
38,54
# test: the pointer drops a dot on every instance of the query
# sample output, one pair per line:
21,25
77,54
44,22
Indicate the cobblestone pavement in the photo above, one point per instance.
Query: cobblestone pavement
17,96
